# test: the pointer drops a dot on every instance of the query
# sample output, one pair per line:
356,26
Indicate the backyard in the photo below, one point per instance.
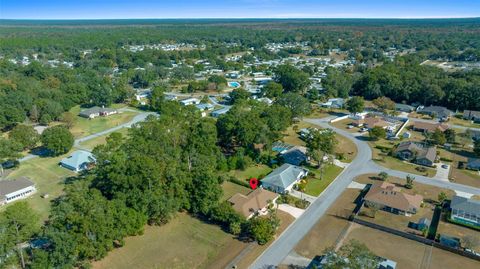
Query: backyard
48,177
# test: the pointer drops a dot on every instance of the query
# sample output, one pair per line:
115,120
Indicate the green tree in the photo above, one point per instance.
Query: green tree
24,135
292,79
18,223
384,103
272,90
476,147
320,144
450,135
352,255
355,105
442,196
383,175
239,94
438,137
68,119
261,230
298,105
410,179
377,132
57,140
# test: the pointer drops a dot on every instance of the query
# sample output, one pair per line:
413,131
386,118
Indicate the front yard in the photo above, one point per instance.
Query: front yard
316,185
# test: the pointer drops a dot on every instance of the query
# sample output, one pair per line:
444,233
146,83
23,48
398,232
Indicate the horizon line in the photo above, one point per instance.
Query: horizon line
241,18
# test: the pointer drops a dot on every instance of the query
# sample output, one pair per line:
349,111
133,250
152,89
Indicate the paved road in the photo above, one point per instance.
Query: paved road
138,118
362,164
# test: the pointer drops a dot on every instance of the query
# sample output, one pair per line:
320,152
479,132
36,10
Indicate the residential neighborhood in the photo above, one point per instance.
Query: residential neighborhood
253,142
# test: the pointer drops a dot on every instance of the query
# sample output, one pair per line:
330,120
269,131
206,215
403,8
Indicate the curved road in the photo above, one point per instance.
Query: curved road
138,118
362,164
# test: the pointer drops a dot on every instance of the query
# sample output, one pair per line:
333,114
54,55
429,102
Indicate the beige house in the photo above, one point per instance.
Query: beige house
256,202
390,198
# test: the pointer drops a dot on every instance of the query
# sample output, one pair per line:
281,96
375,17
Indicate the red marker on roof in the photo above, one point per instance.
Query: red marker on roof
253,183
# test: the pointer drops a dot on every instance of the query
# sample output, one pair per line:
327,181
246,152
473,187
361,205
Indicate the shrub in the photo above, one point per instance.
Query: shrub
302,204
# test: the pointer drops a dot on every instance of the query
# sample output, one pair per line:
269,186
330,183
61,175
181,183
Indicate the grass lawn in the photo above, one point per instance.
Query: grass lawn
229,189
83,127
343,124
462,122
327,230
291,136
48,177
185,242
458,231
257,171
394,163
407,253
315,185
346,147
90,144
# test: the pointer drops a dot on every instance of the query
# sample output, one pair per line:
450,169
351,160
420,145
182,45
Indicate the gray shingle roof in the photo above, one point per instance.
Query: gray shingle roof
284,175
9,186
465,204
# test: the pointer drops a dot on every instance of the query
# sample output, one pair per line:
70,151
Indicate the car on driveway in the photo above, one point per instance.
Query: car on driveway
444,166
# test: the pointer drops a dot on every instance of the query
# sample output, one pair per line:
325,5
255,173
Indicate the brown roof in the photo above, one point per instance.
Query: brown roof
389,195
253,202
9,186
429,127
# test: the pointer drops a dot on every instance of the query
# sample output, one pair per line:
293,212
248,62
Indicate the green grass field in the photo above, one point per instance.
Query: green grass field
255,170
315,185
185,242
83,127
48,177
229,189
90,144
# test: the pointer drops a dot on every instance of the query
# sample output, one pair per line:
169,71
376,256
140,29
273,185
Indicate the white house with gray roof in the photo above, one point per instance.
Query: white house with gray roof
283,178
465,210
13,190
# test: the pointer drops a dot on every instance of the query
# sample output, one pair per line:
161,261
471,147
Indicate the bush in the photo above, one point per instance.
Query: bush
421,169
239,182
445,159
302,204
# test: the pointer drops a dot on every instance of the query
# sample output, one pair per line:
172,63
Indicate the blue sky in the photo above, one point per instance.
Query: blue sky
108,9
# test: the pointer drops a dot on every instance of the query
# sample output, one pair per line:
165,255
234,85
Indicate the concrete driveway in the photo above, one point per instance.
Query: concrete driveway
442,173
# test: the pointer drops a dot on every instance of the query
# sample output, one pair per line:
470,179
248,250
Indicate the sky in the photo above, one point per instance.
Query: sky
128,9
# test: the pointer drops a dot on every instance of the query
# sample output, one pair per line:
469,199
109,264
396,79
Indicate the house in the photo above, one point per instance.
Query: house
141,95
416,152
295,156
465,210
334,103
472,115
256,202
217,113
79,160
428,127
283,178
96,111
404,108
371,122
440,112
190,101
387,264
16,189
388,197
205,106
473,164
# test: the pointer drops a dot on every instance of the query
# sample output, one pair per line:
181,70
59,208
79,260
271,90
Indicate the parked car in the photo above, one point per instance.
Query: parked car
9,164
444,166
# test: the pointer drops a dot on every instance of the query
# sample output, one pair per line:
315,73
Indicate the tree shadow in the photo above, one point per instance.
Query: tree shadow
40,151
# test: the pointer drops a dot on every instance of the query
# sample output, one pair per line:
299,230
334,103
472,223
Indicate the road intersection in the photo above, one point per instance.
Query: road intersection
362,164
